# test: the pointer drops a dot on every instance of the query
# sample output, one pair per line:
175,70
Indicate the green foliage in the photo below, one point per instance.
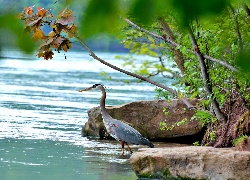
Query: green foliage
165,111
100,16
204,117
240,139
160,93
196,143
190,9
165,127
212,135
11,23
243,61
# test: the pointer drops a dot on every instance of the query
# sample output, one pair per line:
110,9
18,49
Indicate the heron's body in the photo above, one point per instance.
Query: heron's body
117,129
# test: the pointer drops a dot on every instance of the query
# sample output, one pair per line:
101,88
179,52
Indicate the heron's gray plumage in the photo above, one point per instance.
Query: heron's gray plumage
117,129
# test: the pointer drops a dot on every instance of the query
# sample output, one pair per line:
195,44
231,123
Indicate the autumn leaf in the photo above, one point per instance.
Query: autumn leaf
66,20
29,10
57,42
65,45
64,13
48,55
51,34
73,28
32,20
38,35
40,54
41,11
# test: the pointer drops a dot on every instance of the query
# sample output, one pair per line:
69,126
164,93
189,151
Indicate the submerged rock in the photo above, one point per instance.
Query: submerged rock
145,116
191,162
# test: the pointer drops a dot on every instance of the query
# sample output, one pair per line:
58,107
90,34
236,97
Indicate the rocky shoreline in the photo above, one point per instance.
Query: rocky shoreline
187,162
191,162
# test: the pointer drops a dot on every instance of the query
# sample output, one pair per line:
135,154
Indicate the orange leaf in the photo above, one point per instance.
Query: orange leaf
29,10
41,11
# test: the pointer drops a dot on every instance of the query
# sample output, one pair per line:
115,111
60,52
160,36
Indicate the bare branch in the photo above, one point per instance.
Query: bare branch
223,63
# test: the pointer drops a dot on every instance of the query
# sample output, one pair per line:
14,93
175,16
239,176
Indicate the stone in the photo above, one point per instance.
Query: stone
145,116
191,162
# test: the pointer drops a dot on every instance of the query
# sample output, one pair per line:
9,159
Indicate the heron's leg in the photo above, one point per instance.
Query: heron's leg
122,145
129,148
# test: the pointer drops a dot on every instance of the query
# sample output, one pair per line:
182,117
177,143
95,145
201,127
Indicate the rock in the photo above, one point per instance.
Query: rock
192,162
145,116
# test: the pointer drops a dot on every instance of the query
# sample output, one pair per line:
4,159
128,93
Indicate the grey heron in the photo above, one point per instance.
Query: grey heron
117,129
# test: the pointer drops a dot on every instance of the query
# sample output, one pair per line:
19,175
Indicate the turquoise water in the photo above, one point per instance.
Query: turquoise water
42,114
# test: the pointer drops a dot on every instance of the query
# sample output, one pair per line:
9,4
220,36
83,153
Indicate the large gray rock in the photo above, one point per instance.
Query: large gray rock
192,162
145,116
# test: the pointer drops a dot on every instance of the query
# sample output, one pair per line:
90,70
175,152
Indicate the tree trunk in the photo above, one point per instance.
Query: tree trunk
205,77
177,53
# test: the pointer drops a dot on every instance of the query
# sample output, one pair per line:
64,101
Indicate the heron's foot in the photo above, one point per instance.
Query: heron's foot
131,152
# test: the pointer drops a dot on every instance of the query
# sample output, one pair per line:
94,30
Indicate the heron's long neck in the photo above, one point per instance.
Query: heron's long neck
105,114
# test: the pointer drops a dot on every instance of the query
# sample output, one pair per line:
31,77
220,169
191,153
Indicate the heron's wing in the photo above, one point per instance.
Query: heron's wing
123,132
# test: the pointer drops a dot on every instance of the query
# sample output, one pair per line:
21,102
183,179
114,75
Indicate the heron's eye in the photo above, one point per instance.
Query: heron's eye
95,85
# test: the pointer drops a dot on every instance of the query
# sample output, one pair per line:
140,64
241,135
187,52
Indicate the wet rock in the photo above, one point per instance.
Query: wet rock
145,116
192,162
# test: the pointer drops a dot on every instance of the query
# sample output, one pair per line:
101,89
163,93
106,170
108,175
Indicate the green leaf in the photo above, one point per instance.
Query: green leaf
13,25
193,8
100,16
143,11
243,61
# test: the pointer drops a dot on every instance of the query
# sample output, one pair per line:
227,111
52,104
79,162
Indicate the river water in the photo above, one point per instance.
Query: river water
42,114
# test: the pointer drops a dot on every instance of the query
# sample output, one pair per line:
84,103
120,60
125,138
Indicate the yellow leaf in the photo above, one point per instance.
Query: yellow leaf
38,35
51,34
40,54
70,35
65,13
74,29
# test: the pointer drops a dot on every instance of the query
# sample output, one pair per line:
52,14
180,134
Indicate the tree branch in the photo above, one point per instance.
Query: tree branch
177,53
237,29
246,8
223,63
92,54
205,77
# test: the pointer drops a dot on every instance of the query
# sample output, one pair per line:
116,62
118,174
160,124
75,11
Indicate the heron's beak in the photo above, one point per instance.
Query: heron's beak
87,89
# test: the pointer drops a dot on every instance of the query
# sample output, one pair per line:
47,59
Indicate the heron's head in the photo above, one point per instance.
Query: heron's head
95,86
